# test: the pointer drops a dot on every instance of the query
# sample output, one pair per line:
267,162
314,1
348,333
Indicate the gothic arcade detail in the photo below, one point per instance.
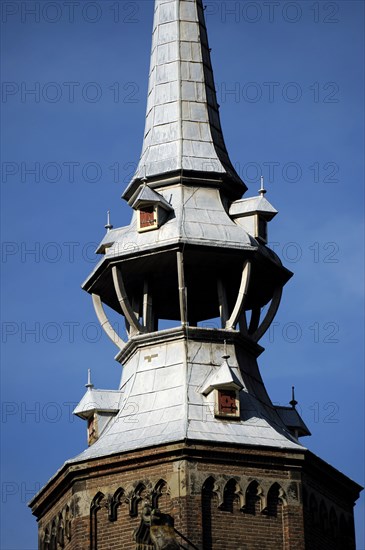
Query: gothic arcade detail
57,533
242,505
140,513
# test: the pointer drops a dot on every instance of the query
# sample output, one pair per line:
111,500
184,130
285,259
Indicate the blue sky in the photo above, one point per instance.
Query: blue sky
290,85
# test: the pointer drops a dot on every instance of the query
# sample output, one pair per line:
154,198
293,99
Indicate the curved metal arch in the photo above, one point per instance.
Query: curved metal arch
271,312
104,322
241,298
255,320
124,301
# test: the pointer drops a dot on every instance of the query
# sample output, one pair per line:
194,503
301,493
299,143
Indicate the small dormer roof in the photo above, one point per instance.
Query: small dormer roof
98,401
108,241
293,420
252,205
224,377
148,196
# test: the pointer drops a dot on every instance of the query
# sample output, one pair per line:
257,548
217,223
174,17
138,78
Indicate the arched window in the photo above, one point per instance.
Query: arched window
60,532
139,494
94,508
333,523
115,502
208,494
53,538
68,523
253,498
45,542
313,509
160,494
231,496
275,499
323,517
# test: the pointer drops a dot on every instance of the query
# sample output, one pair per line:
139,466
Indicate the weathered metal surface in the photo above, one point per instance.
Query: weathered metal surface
162,401
149,196
199,218
183,129
241,297
163,382
247,206
292,418
104,322
223,377
98,400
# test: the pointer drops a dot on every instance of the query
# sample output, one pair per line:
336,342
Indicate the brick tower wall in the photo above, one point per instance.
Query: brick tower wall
216,505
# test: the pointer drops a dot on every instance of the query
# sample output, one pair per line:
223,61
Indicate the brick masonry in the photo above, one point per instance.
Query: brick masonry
220,497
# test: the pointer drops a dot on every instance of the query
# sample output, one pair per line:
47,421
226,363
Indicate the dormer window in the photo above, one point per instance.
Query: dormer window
227,403
147,218
151,208
226,383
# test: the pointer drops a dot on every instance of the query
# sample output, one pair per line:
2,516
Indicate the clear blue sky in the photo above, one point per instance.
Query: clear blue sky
295,114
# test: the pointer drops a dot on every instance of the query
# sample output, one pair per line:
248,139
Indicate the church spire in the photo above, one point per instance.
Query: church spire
191,430
183,134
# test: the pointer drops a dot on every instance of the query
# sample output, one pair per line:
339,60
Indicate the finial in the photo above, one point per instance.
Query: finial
293,401
108,226
89,385
144,178
262,190
225,356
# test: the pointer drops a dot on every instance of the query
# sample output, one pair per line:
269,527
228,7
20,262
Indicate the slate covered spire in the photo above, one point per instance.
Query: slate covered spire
195,282
193,254
183,134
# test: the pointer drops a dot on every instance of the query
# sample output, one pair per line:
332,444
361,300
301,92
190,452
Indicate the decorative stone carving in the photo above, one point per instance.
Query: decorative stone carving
156,530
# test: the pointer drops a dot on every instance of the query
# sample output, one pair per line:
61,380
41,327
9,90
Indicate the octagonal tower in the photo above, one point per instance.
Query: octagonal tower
190,443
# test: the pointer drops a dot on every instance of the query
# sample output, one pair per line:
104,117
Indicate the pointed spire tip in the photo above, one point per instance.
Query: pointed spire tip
225,356
262,190
293,401
108,225
89,384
